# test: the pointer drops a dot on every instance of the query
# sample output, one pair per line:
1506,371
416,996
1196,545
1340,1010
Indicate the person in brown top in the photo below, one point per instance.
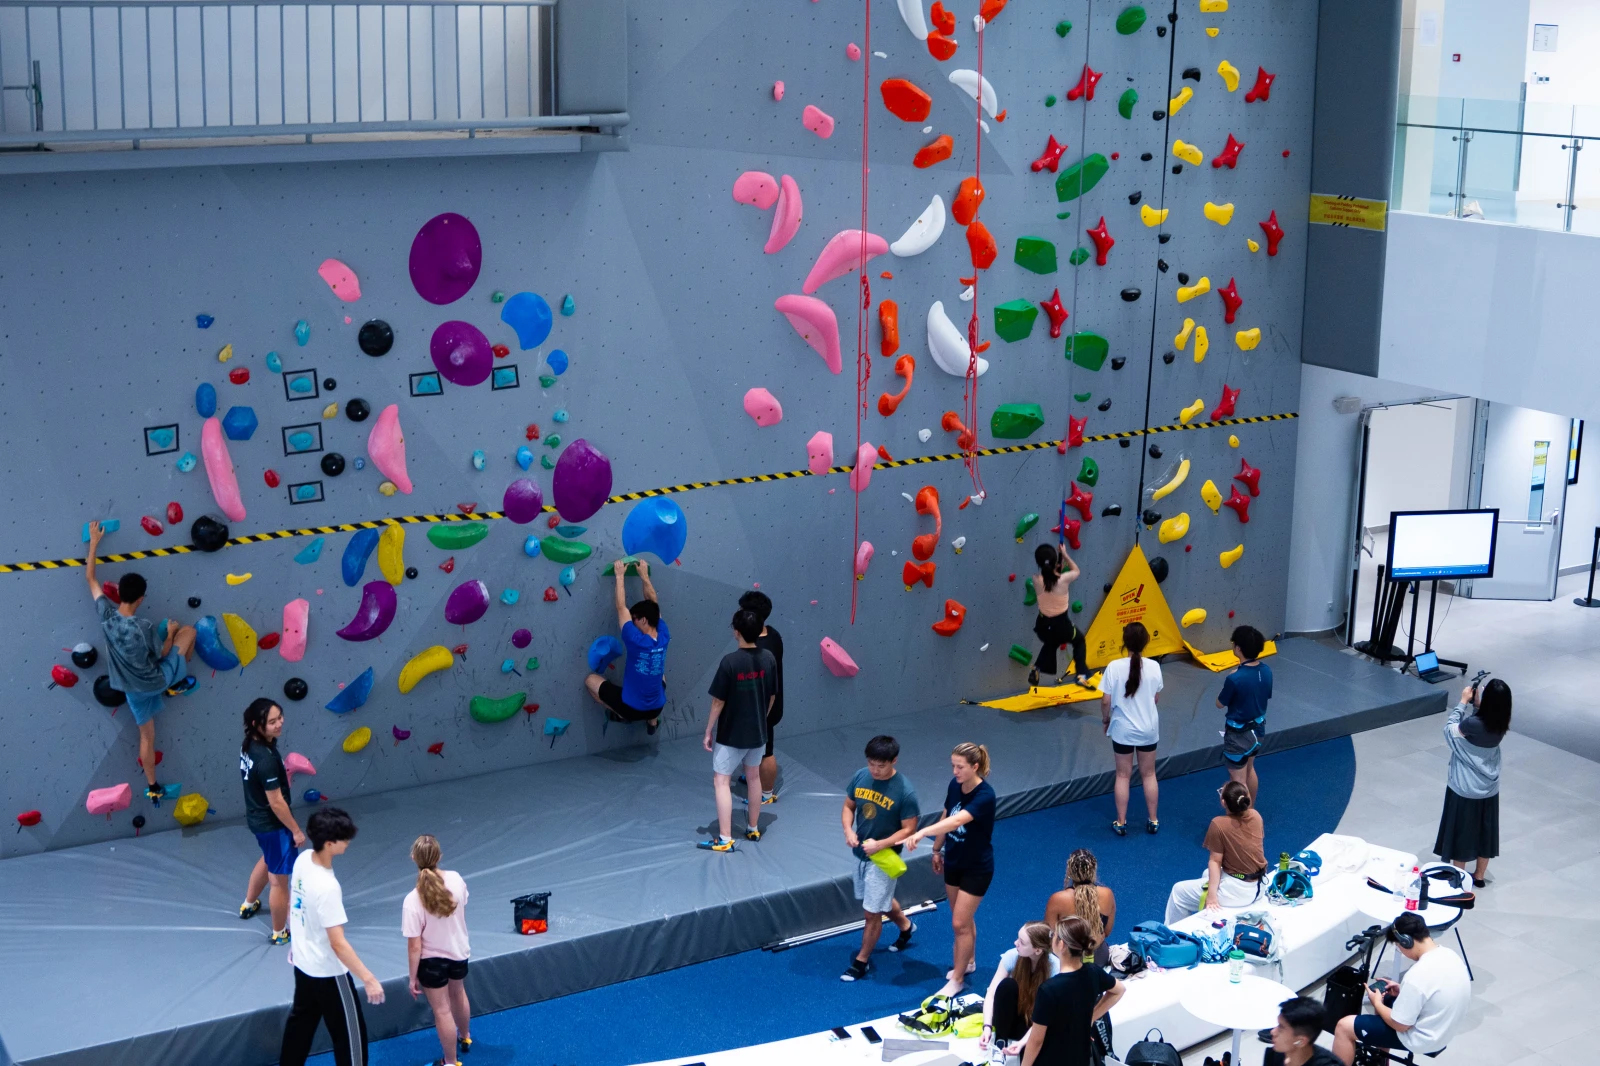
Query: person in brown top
1238,863
1082,896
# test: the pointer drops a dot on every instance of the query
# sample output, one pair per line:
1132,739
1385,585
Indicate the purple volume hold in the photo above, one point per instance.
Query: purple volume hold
467,603
446,255
581,482
376,613
462,353
523,501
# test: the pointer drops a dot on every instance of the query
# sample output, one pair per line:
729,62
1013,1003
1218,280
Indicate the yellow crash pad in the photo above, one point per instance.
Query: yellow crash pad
1051,696
1218,661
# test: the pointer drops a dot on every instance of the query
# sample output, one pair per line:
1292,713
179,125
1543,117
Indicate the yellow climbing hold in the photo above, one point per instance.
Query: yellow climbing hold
225,354
1188,414
1231,556
1250,243
330,410
1247,339
191,809
1151,217
357,740
387,488
392,554
1228,72
1171,486
238,579
1211,31
1221,214
1233,441
1175,104
1189,292
1173,528
1188,152
1192,617
1181,341
244,638
1213,498
1213,7
1202,344
424,663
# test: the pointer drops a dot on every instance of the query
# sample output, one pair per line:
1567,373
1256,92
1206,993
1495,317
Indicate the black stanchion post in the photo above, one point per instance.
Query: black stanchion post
1588,600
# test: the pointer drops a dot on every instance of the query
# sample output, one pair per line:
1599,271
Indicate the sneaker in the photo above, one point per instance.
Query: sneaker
1152,827
651,726
769,797
463,1044
249,910
716,844
280,938
1120,828
856,971
752,833
156,791
903,941
184,687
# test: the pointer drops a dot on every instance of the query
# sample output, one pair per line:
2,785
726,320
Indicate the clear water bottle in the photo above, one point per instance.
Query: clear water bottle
1235,965
1413,888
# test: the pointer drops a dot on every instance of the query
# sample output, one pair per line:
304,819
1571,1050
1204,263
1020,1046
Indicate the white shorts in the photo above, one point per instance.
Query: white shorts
874,888
726,761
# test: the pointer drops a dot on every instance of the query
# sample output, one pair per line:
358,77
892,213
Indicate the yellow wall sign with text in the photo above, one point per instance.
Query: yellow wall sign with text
1134,597
1349,211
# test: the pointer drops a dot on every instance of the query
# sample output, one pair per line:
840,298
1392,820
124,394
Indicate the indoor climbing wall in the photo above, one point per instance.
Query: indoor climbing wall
495,346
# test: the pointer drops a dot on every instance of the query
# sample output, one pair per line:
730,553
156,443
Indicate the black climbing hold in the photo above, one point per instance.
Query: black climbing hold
333,464
1130,294
1169,357
105,695
1147,157
1111,510
1155,451
1183,279
1177,168
329,384
376,337
1124,443
1160,572
1135,197
357,410
1158,114
1161,31
1161,265
194,601
1172,16
295,688
85,658
138,821
1118,361
1163,237
1106,587
411,572
1150,517
208,534
1192,73
1105,405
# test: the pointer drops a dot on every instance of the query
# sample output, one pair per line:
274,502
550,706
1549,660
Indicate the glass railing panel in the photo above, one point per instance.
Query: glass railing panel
1542,174
1425,163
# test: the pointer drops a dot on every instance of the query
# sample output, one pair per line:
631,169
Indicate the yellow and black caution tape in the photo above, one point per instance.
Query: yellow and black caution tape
626,497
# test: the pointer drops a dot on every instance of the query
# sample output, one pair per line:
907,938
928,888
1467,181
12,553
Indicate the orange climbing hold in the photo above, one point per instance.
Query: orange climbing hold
981,243
966,439
954,615
943,19
912,573
928,503
940,46
889,323
964,208
888,403
990,9
905,100
936,152
1086,83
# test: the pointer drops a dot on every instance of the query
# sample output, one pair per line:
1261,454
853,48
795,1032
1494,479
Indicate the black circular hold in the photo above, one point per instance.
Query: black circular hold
295,689
1106,587
1177,168
1135,196
376,337
1111,510
208,534
1155,451
1161,31
1161,265
1150,517
1172,16
85,658
1147,157
105,695
1169,357
411,573
1105,405
1163,237
1130,294
1158,115
194,601
1158,567
333,464
1124,443
138,821
1192,73
329,384
357,410
1183,279
1118,362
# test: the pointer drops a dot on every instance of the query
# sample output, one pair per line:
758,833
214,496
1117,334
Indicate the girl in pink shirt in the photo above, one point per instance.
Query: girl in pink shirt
433,919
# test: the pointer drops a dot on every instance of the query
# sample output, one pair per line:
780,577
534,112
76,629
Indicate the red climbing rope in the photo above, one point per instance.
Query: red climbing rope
864,303
970,396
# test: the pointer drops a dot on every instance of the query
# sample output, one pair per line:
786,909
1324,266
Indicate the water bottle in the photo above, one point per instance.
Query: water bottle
1413,888
1283,860
1235,965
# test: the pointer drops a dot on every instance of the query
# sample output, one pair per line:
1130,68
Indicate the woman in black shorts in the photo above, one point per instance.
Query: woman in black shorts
962,852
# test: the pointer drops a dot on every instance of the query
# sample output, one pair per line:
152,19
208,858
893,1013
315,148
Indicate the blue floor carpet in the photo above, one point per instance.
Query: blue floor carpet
757,996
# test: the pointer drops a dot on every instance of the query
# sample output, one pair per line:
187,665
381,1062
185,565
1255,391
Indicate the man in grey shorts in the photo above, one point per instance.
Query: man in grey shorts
880,810
742,694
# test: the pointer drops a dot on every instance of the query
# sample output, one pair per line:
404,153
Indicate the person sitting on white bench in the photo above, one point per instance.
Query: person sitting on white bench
1238,863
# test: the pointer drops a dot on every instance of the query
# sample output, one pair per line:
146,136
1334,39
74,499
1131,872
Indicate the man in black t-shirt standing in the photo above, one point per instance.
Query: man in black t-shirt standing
761,605
736,733
267,815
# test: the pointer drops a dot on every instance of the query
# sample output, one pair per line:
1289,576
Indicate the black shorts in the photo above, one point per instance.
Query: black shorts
972,882
436,972
1129,749
611,696
772,719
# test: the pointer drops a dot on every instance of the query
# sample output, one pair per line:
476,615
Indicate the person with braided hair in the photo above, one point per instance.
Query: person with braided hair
433,920
1082,896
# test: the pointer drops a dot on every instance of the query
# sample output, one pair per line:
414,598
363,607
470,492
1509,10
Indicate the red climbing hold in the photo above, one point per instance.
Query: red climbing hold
927,502
883,453
1116,155
29,818
63,676
1224,408
954,615
889,324
268,642
935,152
554,521
1239,502
500,351
981,243
940,46
1057,312
943,20
530,708
1230,300
1262,90
980,349
239,375
468,507
1070,531
913,573
109,588
1050,158
436,748
449,565
966,440
1086,83
549,594
151,526
1075,428
969,197
905,101
532,431
1083,501
1249,476
1273,231
271,478
159,756
1229,156
990,9
459,649
1013,577
1102,241
174,513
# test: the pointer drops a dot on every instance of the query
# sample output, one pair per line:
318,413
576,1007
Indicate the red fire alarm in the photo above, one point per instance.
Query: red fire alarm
1455,57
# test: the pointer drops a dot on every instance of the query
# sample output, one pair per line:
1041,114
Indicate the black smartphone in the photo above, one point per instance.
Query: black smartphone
871,1034
1379,985
841,1033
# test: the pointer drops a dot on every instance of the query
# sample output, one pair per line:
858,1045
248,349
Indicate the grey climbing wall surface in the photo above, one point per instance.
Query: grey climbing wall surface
673,322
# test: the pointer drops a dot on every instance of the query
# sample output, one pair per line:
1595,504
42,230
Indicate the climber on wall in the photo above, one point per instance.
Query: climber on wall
643,691
1054,625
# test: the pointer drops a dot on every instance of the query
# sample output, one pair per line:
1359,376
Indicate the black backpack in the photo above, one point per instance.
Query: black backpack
1157,1052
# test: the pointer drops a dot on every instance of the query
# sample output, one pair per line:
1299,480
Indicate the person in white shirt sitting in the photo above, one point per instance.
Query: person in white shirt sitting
1426,1006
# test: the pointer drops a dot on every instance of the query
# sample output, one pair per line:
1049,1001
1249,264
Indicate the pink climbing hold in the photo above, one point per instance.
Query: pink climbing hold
387,447
762,406
843,255
341,279
107,801
835,658
864,554
777,90
817,121
757,188
819,452
786,219
853,51
295,763
861,473
219,470
296,614
816,324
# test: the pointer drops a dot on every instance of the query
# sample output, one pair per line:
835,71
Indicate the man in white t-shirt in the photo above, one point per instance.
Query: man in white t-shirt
323,959
1428,1003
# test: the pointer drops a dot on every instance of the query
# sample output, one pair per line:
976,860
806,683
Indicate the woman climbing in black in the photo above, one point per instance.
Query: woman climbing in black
1054,626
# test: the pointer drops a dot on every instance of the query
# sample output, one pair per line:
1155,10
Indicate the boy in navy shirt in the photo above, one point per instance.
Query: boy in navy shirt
1245,695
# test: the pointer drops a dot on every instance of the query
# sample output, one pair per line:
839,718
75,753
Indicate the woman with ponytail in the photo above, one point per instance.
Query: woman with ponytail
963,853
1130,687
1054,625
434,922
1083,897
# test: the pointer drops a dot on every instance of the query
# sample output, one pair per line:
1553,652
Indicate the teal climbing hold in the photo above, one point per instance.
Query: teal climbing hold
567,305
1036,254
274,363
560,415
166,436
547,462
187,462
553,441
302,383
545,381
107,525
530,547
479,460
571,531
310,553
301,440
1081,176
1013,320
524,457
305,492
509,597
302,333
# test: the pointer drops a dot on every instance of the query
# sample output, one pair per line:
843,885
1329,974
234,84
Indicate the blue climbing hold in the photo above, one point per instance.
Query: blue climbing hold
560,415
657,526
572,531
274,363
305,492
425,384
479,460
302,333
568,576
203,321
507,666
356,554
187,462
530,547
205,399
359,463
208,645
603,652
302,383
352,695
558,362
311,795
301,440
310,553
510,596
567,305
555,727
240,423
524,457
162,437
107,525
529,315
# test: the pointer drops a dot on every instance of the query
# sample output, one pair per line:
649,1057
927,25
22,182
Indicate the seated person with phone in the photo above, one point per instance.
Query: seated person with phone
1421,1012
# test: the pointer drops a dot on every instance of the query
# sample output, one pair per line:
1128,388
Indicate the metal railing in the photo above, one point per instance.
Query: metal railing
78,75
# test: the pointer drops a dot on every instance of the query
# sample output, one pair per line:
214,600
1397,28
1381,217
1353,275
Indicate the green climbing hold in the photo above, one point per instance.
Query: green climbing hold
1029,597
1081,176
1050,101
452,536
1020,654
1077,605
1126,102
1013,421
546,381
1088,350
1063,214
489,709
1089,472
1025,523
497,297
1013,320
553,441
1130,20
629,569
1079,256
1083,397
558,550
1063,28
547,462
1036,254
533,664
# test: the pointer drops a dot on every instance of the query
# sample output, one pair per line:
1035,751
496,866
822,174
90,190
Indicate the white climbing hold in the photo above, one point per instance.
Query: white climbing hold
927,129
909,500
958,544
916,22
974,84
984,648
881,55
948,347
968,293
924,435
921,234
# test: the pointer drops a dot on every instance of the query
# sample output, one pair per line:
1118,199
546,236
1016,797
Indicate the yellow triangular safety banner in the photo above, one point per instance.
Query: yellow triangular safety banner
1134,597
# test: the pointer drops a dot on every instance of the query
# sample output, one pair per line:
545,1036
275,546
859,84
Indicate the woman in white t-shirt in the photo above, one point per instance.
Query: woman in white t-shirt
1130,688
433,920
1008,1004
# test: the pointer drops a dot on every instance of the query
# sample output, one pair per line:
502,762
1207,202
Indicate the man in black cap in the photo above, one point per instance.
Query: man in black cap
1420,1013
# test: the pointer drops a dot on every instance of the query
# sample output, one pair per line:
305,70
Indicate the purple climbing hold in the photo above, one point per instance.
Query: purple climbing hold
462,353
468,602
376,613
446,255
582,481
523,501
521,638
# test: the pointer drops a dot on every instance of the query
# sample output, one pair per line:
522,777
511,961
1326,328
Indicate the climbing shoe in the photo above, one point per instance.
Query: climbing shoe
768,797
716,844
752,833
1120,828
249,910
280,938
1152,827
1033,678
856,971
903,941
184,687
155,791
463,1044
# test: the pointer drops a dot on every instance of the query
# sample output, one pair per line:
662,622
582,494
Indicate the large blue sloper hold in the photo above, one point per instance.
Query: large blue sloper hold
603,652
352,695
356,554
658,526
208,645
529,315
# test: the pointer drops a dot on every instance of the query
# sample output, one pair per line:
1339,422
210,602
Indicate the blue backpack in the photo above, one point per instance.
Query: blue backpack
1164,947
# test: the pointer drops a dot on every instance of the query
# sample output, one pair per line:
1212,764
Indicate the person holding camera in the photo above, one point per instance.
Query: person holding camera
1469,827
1422,1011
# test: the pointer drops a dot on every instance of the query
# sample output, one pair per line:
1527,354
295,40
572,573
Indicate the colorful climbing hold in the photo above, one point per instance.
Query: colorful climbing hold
1013,320
905,367
1273,231
1187,152
1050,158
1224,408
1262,90
1171,485
582,481
1247,339
1193,617
1175,104
1081,176
1130,19
302,333
1052,307
1249,477
1086,83
1188,414
1037,254
1087,350
1229,156
453,536
1238,502
1089,472
1228,558
1202,344
981,244
905,101
1015,421
1173,528
1229,74
817,121
1231,300
1152,217
1221,214
816,324
913,574
1082,502
1189,292
1103,241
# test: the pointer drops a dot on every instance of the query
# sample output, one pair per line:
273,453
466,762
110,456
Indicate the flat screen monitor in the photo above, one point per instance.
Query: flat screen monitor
1431,544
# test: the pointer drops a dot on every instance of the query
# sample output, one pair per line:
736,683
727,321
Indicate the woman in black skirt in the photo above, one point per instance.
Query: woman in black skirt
1469,828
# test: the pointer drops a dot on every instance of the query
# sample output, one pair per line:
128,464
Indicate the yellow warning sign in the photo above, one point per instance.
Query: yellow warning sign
1134,597
1349,211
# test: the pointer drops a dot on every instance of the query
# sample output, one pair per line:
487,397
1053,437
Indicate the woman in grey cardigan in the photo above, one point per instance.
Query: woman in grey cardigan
1469,828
